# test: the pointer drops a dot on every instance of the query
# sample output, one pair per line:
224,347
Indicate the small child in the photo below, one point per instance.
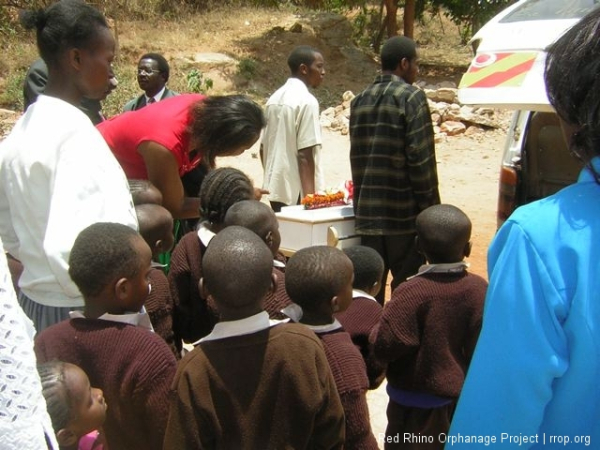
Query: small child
76,408
260,218
364,312
156,227
195,316
251,383
319,280
429,329
111,340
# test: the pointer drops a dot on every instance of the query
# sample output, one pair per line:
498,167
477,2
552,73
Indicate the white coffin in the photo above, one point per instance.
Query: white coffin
300,228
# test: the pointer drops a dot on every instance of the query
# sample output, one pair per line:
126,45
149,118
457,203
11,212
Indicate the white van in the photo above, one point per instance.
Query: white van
508,72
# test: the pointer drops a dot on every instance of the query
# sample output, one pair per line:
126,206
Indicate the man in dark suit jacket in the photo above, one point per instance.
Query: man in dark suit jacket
35,83
153,74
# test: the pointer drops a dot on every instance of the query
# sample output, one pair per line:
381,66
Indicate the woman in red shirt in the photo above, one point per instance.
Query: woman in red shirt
164,141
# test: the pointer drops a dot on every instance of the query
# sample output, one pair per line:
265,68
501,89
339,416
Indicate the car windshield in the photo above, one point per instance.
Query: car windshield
550,9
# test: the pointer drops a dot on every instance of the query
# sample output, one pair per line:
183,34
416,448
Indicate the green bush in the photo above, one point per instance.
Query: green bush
247,68
197,83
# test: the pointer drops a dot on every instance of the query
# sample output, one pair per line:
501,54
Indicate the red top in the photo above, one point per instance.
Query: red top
165,122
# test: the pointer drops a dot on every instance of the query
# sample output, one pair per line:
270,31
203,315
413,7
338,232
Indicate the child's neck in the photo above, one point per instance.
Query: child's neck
315,318
94,311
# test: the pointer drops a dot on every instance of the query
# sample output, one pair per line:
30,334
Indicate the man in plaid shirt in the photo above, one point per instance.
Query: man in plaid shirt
392,156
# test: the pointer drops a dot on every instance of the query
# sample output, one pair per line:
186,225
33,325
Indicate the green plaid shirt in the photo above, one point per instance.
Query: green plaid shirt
392,155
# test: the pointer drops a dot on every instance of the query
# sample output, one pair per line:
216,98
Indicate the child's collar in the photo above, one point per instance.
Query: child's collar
140,319
241,327
360,293
456,267
204,233
294,312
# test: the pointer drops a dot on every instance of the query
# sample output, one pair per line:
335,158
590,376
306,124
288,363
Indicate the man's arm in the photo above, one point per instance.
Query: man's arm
420,151
306,167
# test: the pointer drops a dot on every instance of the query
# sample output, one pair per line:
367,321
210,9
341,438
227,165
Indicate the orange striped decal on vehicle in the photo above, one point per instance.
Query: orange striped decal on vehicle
498,69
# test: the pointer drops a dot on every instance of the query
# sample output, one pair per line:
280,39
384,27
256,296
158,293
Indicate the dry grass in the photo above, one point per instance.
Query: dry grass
260,36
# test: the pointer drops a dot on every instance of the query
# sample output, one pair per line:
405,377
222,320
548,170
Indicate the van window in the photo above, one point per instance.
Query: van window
550,9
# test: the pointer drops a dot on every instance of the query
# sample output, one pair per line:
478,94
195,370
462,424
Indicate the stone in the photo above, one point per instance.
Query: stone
473,130
329,112
447,95
213,59
348,96
447,84
452,128
436,118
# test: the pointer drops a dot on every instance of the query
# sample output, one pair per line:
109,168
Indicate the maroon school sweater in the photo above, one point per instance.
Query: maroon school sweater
350,377
159,306
195,316
428,332
271,389
133,366
359,320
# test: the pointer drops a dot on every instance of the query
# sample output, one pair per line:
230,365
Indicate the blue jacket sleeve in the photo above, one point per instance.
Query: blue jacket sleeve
522,347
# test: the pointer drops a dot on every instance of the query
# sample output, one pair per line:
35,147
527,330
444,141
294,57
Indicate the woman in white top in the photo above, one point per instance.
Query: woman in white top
57,175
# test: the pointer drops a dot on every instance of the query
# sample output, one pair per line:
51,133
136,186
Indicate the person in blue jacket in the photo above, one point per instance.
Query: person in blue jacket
534,380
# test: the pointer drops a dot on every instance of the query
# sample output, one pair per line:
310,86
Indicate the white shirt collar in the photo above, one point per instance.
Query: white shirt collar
204,234
249,325
360,293
294,312
141,319
456,267
318,329
158,96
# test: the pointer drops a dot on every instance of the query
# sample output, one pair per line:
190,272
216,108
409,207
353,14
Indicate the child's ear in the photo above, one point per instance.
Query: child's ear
274,281
375,288
66,438
269,239
467,250
203,289
158,247
418,245
122,288
335,304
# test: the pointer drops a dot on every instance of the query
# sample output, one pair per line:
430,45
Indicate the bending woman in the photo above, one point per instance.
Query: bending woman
164,141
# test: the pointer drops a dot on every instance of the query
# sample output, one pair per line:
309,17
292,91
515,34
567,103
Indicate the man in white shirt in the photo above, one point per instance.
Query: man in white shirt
292,138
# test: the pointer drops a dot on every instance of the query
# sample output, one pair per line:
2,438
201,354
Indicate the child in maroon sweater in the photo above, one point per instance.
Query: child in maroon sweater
319,281
260,218
156,227
111,340
364,312
195,316
428,332
252,383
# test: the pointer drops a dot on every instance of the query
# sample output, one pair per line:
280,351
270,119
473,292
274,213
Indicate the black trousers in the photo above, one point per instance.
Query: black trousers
400,257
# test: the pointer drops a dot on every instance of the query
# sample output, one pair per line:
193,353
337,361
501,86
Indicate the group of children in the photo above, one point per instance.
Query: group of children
283,352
